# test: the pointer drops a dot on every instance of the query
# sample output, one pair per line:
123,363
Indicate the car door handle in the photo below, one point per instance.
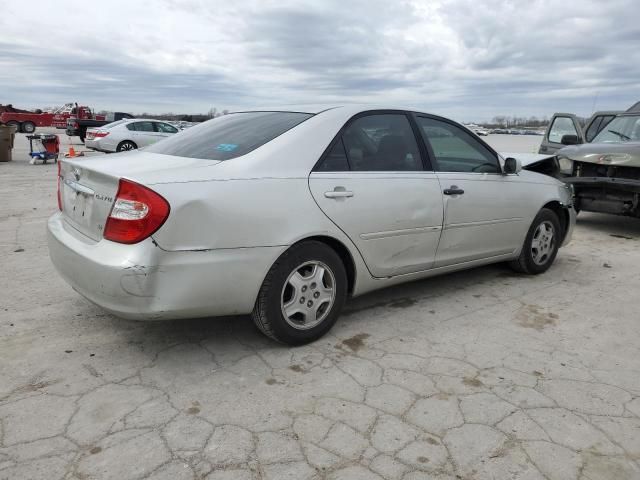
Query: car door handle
453,190
338,193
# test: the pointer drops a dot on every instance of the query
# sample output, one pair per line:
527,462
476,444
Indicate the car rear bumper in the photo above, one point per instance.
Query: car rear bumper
144,282
97,145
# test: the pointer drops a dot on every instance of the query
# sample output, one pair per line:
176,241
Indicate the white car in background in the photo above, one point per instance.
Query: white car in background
129,134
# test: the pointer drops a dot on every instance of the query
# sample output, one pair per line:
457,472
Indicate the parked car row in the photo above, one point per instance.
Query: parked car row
516,131
483,132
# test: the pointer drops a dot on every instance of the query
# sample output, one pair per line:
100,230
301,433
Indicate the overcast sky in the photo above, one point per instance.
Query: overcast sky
468,59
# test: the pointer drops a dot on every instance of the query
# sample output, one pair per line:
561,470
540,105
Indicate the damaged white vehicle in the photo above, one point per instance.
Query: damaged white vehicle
284,214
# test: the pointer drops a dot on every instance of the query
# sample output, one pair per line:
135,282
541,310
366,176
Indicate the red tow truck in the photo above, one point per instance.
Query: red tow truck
26,122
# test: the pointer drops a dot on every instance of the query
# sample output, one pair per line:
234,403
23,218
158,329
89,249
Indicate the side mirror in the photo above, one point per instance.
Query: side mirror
512,165
569,140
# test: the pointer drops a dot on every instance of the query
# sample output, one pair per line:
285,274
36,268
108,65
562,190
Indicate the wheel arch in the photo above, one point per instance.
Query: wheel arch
563,216
126,140
342,251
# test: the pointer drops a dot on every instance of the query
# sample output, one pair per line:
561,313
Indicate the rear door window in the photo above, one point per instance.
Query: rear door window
382,142
335,160
165,128
229,136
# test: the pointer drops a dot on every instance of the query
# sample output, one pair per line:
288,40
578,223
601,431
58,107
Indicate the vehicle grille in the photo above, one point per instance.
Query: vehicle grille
584,169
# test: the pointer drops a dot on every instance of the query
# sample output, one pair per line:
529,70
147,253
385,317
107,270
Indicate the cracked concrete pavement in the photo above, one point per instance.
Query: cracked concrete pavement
482,374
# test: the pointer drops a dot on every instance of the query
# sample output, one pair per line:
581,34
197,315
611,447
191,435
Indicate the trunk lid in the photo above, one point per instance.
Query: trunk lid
88,186
87,197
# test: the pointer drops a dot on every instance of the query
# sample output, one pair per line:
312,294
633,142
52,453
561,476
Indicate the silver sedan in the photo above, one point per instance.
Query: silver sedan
284,214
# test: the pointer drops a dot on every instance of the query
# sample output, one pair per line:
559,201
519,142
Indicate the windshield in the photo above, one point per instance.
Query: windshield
229,136
624,128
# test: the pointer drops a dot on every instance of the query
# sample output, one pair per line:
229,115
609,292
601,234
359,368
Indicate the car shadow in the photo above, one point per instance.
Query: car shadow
222,330
406,295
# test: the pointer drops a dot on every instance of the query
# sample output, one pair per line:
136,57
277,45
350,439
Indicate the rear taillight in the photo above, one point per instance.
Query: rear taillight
136,214
59,178
100,134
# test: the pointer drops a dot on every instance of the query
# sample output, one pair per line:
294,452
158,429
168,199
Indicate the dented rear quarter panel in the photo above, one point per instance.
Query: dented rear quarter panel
241,213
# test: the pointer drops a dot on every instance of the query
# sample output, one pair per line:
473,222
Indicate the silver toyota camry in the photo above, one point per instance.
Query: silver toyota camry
284,214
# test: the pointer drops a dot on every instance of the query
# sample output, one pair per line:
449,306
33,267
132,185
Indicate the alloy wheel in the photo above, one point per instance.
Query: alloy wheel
308,295
543,243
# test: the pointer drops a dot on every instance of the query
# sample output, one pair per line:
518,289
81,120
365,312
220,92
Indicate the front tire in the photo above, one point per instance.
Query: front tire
126,146
541,244
302,295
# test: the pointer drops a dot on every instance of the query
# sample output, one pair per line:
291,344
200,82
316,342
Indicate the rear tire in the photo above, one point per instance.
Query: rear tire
126,146
302,295
28,127
541,244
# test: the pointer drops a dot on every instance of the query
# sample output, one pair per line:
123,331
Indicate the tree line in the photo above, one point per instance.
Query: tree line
181,117
506,121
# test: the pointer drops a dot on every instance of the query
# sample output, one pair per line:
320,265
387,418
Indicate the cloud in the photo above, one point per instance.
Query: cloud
462,58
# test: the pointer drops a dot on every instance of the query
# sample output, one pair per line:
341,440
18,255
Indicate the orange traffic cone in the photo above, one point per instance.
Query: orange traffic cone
72,152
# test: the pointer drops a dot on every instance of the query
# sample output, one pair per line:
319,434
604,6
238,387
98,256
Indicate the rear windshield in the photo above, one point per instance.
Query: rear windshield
229,136
113,124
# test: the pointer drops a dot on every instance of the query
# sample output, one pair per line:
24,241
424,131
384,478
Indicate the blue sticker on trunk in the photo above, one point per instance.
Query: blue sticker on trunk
226,147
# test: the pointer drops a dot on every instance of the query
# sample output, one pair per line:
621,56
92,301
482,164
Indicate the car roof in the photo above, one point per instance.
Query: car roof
129,120
319,108
298,108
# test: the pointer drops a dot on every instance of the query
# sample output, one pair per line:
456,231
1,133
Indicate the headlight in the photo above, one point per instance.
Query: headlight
566,165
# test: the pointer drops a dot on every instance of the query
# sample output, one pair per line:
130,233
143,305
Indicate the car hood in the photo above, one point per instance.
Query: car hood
625,154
